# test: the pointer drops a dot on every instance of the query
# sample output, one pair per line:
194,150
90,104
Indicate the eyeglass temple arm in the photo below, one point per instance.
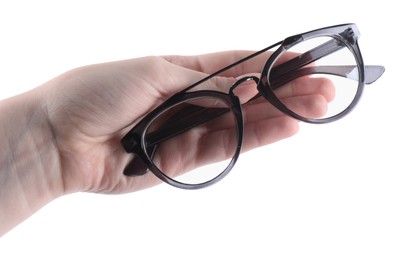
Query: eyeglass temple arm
185,119
372,73
306,58
290,67
194,115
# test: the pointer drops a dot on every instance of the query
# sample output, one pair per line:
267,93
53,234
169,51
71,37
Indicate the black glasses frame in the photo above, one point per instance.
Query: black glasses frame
143,145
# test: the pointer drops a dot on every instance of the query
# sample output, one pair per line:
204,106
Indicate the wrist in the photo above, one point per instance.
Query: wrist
29,162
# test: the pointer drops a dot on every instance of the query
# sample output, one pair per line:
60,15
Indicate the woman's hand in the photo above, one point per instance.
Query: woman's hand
64,136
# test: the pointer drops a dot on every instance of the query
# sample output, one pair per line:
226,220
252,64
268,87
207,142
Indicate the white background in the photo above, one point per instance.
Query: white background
339,191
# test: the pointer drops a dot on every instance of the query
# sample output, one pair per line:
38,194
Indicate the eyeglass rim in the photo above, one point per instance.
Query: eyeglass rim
335,32
131,146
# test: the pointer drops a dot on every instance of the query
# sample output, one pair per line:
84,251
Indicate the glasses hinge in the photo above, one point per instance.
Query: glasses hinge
349,35
129,143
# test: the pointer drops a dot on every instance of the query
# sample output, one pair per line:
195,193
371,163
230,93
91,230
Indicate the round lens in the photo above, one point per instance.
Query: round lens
315,79
194,141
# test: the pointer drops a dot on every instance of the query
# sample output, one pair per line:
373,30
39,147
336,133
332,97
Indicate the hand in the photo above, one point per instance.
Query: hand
64,136
91,108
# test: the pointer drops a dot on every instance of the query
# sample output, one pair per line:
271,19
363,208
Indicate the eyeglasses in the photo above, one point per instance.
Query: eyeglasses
195,127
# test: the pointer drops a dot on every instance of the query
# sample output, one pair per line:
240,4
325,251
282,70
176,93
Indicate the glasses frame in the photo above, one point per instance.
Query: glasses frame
136,140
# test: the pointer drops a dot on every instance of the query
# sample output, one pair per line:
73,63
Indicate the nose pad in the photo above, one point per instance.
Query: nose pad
137,167
245,93
242,80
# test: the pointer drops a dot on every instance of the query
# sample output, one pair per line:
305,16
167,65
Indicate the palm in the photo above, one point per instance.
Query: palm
97,105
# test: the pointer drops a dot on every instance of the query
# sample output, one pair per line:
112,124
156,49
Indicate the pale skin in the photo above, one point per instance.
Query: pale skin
64,136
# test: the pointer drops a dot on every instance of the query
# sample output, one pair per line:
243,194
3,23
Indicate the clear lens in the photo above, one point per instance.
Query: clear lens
320,89
194,141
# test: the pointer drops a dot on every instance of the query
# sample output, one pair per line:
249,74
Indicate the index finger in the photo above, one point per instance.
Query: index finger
212,62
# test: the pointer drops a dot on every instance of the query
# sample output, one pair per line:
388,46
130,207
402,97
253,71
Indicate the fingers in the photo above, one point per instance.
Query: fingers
310,106
306,96
264,124
267,131
307,86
